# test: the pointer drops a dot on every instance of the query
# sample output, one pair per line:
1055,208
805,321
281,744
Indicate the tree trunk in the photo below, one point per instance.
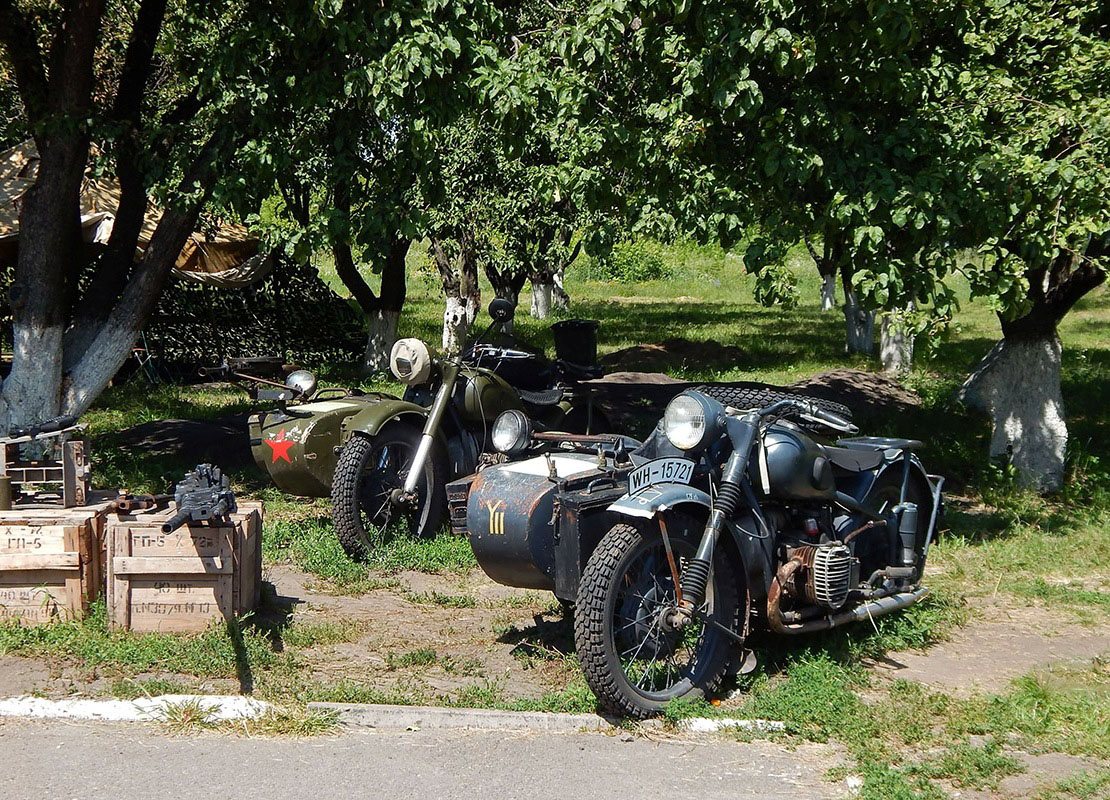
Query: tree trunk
896,343
380,340
457,318
560,296
828,292
1018,385
541,298
859,326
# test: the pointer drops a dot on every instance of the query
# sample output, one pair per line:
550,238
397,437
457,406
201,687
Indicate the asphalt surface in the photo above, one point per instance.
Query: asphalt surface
61,760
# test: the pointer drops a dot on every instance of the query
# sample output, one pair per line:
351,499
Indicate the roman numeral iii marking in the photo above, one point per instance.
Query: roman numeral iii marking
496,517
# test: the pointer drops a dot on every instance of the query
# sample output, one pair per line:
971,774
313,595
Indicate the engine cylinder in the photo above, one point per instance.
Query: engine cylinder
826,577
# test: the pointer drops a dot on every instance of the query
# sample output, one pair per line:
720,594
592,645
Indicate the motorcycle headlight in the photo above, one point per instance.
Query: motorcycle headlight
512,432
692,420
410,361
301,381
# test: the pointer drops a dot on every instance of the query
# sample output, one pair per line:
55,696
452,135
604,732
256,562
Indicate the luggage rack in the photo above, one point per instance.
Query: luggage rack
33,462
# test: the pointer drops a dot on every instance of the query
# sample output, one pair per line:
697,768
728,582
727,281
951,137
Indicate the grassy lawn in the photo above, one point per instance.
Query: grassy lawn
901,738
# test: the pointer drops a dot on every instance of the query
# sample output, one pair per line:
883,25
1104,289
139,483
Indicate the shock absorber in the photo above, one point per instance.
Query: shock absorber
695,577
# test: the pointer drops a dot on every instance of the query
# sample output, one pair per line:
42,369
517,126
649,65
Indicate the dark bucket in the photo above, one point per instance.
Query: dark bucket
576,340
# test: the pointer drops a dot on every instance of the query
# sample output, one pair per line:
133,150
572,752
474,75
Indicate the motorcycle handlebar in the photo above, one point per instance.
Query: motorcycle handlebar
811,410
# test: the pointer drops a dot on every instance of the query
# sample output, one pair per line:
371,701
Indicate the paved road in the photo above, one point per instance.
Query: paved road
62,760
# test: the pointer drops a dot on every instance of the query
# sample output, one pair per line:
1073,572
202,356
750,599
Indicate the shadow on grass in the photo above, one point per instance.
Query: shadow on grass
551,632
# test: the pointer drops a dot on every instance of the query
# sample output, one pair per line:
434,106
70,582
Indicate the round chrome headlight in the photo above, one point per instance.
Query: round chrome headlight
301,381
693,420
512,432
410,361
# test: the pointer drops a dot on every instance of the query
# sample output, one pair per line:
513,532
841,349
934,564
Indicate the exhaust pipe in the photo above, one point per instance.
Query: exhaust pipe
873,608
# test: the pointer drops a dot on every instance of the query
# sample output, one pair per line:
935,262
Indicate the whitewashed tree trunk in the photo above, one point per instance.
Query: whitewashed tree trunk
895,344
828,292
380,340
559,292
1018,385
455,325
32,391
541,299
859,326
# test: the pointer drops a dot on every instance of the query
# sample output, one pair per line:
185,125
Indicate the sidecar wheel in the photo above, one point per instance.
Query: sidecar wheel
368,470
631,661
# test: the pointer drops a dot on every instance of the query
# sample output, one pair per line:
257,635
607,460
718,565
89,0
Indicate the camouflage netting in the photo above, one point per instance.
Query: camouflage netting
291,313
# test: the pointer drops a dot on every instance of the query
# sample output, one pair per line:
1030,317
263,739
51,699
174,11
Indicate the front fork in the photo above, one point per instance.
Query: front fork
695,578
450,370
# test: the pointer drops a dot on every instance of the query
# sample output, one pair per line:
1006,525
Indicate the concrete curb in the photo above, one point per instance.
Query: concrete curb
433,717
143,709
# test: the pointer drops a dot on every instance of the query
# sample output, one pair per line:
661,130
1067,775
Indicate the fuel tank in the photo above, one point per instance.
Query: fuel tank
797,468
510,518
485,395
296,446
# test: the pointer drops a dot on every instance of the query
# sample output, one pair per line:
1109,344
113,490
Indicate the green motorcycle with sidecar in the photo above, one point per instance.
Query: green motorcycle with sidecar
385,460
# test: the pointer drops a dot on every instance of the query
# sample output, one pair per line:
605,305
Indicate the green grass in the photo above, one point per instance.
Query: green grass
904,740
311,545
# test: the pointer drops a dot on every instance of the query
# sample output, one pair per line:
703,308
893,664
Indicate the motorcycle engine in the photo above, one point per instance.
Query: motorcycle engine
827,575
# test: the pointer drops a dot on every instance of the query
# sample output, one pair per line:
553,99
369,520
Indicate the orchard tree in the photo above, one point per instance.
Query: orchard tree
1033,115
183,101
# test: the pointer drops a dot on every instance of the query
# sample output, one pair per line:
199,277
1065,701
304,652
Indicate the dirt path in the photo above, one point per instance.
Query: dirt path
1002,643
418,642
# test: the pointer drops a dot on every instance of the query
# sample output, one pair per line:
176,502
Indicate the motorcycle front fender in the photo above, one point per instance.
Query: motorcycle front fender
649,502
750,546
370,420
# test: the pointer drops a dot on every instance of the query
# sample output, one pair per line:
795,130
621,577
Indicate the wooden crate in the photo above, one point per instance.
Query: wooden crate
49,563
182,581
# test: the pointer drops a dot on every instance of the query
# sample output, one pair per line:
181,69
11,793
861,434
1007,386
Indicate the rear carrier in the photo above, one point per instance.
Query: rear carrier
533,524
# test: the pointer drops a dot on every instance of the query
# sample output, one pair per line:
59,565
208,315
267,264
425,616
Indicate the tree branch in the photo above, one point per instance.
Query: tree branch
21,43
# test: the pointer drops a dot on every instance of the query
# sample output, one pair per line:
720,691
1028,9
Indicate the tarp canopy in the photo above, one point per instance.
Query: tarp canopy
227,256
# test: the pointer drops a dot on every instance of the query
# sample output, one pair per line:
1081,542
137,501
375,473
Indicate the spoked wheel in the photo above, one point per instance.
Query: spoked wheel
368,476
635,660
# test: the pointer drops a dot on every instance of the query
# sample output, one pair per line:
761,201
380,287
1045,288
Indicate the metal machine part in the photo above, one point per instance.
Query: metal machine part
204,495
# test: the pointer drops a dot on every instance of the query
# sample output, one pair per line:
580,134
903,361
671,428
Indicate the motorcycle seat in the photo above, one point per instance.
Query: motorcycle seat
854,459
880,443
577,372
544,397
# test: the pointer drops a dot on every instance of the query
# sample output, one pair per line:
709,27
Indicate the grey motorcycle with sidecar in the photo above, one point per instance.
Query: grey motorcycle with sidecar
743,509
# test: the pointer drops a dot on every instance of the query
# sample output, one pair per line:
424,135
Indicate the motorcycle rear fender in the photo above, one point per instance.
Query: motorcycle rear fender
859,486
746,545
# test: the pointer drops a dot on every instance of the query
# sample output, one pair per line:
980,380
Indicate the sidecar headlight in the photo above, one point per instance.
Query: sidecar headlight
512,432
301,381
410,362
692,420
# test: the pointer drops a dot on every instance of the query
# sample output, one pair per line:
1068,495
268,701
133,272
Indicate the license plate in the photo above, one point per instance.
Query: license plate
661,470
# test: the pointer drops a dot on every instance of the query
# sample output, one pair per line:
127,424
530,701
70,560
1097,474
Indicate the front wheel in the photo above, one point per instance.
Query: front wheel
368,472
634,660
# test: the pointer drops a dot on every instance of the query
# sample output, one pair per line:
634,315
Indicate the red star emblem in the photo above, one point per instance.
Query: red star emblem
280,445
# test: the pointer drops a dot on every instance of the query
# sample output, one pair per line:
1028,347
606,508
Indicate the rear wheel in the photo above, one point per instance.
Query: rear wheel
369,471
633,658
884,495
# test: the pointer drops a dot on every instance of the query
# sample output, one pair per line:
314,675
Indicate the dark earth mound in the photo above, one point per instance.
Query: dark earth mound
671,354
868,394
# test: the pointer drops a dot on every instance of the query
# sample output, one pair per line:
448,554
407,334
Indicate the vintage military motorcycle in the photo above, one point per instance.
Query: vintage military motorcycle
737,511
385,460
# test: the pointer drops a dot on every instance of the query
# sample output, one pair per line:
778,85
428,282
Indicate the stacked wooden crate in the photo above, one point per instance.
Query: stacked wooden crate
182,581
49,563
55,561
